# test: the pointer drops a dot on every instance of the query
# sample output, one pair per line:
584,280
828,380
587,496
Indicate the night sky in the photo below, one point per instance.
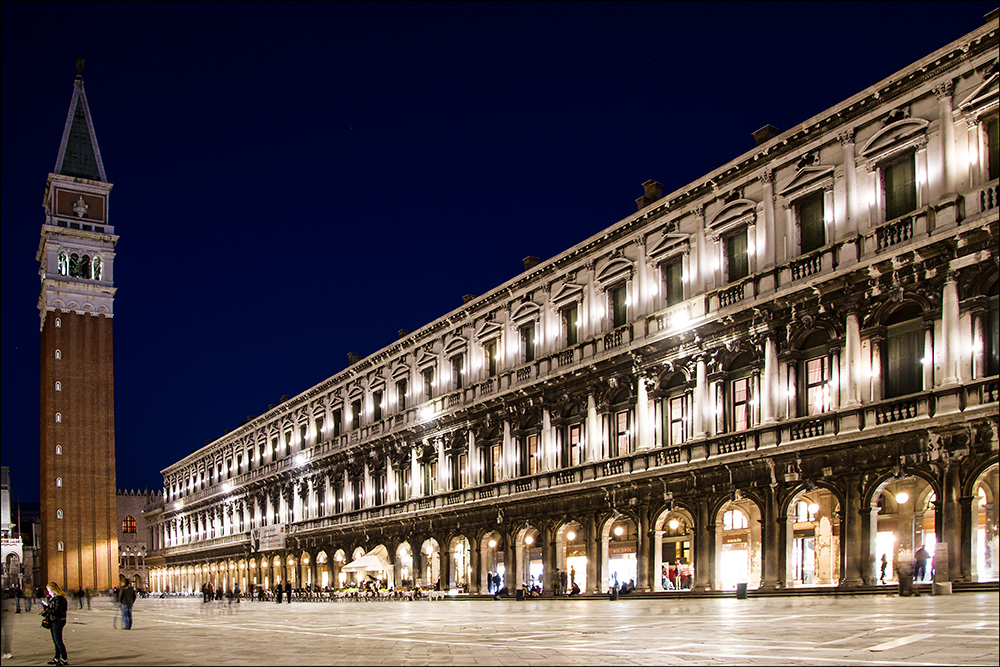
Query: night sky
293,182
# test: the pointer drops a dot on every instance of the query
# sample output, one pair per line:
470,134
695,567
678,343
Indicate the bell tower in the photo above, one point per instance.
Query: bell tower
76,256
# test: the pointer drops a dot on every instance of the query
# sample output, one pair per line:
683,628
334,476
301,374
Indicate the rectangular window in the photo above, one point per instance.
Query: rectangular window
904,374
458,370
533,454
741,404
619,308
992,333
303,435
993,148
428,376
337,420
574,445
817,394
288,445
377,405
675,420
401,395
338,497
430,477
812,227
380,488
404,482
491,357
571,324
274,450
459,465
319,430
673,284
899,185
496,462
621,434
737,261
356,414
528,342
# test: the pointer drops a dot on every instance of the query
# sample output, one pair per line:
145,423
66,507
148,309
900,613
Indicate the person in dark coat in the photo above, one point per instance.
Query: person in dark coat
55,612
126,598
288,592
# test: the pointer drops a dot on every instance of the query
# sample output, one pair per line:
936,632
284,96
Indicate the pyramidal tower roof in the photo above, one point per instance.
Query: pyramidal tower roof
79,155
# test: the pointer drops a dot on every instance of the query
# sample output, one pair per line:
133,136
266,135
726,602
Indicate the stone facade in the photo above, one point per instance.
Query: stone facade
76,265
774,376
133,535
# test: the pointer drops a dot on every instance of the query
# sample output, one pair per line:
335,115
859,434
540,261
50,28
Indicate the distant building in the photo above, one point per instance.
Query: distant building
76,303
772,376
133,534
10,544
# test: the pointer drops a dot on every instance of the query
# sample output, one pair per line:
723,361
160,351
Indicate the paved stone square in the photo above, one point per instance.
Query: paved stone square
823,630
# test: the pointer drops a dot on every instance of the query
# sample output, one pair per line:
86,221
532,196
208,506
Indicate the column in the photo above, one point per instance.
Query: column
475,566
766,238
856,548
852,358
928,355
944,92
770,384
548,543
824,540
950,338
593,541
704,548
643,551
701,405
645,424
851,191
771,542
951,532
593,443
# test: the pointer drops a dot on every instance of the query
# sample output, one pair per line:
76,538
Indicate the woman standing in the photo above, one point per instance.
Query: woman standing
55,612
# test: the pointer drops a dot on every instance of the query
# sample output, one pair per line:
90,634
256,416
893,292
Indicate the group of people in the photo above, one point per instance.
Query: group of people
917,570
677,576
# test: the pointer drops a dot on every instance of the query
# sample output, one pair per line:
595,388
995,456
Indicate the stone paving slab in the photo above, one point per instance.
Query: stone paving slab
885,630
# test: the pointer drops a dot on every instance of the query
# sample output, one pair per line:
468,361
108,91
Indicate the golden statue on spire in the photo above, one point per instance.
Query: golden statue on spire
79,66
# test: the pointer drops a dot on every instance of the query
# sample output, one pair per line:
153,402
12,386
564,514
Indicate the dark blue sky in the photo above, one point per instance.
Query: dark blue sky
293,182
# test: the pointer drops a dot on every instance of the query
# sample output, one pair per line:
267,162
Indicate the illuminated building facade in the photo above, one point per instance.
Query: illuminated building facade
772,376
133,535
76,302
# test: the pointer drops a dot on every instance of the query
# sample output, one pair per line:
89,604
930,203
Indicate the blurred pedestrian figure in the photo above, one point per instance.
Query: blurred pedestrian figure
920,559
7,624
288,592
17,597
885,564
86,594
126,598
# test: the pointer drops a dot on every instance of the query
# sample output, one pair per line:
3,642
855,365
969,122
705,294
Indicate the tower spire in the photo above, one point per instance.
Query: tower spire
79,155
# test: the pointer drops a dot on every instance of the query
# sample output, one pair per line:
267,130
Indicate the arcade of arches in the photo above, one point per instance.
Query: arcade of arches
661,535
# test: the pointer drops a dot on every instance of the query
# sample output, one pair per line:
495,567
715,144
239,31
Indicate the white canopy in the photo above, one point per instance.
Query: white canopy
375,561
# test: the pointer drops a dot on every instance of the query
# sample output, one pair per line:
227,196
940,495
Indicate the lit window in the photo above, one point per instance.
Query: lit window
574,445
741,403
58,323
59,546
734,520
59,514
58,481
58,385
621,439
491,357
128,524
58,418
58,354
817,381
58,449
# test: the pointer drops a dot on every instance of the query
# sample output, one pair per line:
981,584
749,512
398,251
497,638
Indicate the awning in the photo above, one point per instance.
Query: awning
374,561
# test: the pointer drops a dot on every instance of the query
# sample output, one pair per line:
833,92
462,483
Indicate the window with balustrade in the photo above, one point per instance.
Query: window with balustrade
490,348
458,371
899,186
356,413
815,381
675,409
377,404
992,335
737,257
337,416
401,389
571,324
427,375
528,342
618,304
991,129
902,359
620,417
738,400
811,218
672,276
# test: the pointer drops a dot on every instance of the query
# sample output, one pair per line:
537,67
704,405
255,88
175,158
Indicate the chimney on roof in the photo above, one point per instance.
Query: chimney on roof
653,191
530,262
403,333
352,358
466,298
765,134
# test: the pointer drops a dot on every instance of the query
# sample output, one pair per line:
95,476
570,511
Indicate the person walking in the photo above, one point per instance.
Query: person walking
885,564
16,590
126,598
7,623
921,557
55,614
288,592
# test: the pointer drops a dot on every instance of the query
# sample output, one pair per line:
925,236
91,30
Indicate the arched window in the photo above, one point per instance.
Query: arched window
128,524
58,385
58,481
734,520
58,418
62,265
58,323
59,546
98,268
58,354
58,449
59,514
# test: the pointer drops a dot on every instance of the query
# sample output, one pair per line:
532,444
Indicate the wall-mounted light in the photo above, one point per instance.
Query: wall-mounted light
902,497
674,524
619,531
571,536
529,540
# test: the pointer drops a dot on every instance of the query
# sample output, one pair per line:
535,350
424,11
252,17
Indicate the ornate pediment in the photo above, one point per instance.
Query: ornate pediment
669,244
567,294
525,311
456,344
400,372
425,358
733,211
804,178
984,98
488,330
893,137
613,270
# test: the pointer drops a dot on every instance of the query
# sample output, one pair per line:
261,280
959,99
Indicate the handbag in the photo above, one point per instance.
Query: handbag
46,623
